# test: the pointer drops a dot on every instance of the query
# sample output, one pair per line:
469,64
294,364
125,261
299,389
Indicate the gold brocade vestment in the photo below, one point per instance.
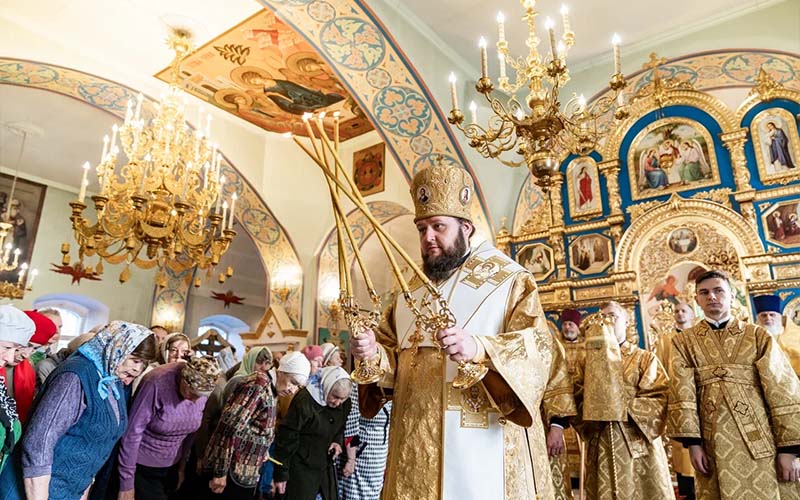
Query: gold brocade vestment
789,341
487,442
626,460
735,390
681,461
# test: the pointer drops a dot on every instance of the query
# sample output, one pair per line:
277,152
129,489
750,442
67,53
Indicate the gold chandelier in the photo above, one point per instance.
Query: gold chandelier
539,129
24,282
164,205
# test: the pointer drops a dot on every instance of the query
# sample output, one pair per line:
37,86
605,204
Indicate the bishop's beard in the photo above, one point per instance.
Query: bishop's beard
440,267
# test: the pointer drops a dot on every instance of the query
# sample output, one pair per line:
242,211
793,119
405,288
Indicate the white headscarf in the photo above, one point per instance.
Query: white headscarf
321,388
295,363
15,326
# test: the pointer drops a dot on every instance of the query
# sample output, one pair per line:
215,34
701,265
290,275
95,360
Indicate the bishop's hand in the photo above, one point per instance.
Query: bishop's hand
457,344
364,346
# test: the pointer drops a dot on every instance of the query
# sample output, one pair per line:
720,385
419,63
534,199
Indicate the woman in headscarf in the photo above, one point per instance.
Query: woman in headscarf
311,435
19,374
16,329
240,444
166,412
257,359
176,347
83,412
331,355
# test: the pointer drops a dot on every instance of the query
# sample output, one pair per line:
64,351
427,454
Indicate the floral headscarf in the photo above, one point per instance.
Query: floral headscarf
109,348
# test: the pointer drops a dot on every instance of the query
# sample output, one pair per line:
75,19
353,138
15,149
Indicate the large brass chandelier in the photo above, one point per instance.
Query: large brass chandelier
538,128
164,205
9,255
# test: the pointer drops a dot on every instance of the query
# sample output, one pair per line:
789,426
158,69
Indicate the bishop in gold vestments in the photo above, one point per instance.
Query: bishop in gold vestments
734,393
486,442
625,457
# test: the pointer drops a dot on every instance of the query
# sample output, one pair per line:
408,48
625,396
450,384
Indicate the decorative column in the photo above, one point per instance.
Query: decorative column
610,169
734,143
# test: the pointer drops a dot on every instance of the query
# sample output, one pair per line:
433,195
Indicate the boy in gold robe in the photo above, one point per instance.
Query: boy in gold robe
734,401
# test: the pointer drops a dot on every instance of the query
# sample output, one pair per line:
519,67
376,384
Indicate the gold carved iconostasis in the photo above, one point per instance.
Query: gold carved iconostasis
683,185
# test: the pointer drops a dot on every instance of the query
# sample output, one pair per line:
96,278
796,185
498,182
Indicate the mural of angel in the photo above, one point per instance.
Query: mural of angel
692,164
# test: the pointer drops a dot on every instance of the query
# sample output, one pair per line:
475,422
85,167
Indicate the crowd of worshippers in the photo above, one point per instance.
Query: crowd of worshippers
125,411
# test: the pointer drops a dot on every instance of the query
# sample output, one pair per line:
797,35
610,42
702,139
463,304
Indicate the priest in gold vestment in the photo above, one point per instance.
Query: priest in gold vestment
486,442
622,405
769,315
734,402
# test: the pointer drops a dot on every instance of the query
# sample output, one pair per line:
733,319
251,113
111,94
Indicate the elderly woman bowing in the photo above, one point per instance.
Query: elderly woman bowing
16,329
312,430
167,410
83,412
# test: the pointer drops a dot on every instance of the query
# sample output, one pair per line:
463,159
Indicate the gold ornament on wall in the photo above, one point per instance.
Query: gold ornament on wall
164,205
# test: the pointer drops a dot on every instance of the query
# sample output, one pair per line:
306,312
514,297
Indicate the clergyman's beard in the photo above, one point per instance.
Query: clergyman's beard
774,330
440,267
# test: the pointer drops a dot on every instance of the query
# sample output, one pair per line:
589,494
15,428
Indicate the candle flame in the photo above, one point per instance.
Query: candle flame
564,9
501,18
549,24
616,40
452,77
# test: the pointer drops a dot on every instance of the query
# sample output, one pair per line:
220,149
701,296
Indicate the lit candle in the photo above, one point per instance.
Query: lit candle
16,256
562,51
502,64
484,59
129,112
616,41
105,149
7,252
565,17
219,192
501,27
31,277
233,206
84,182
473,109
138,113
548,25
581,103
22,269
224,213
453,94
114,131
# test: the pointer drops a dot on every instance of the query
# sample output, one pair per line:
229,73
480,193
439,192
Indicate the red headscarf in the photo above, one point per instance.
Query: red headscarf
45,328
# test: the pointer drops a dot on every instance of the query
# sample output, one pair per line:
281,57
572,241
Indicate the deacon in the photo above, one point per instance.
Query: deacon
684,317
734,401
486,442
768,313
625,457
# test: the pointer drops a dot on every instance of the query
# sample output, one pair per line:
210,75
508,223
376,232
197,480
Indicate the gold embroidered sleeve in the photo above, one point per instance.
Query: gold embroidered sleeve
781,389
522,357
372,397
648,408
683,420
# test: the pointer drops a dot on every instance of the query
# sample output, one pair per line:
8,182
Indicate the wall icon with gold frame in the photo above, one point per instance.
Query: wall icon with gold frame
538,259
583,188
777,146
590,254
781,223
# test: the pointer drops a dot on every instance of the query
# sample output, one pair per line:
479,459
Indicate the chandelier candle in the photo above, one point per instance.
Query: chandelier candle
616,41
484,58
233,206
84,182
453,94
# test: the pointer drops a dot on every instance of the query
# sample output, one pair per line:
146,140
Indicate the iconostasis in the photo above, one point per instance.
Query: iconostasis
685,184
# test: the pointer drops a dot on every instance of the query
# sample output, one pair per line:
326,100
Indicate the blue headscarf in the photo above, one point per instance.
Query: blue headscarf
109,348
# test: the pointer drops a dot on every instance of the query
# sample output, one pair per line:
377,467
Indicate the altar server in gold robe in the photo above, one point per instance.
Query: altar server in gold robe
734,401
622,421
486,442
685,318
